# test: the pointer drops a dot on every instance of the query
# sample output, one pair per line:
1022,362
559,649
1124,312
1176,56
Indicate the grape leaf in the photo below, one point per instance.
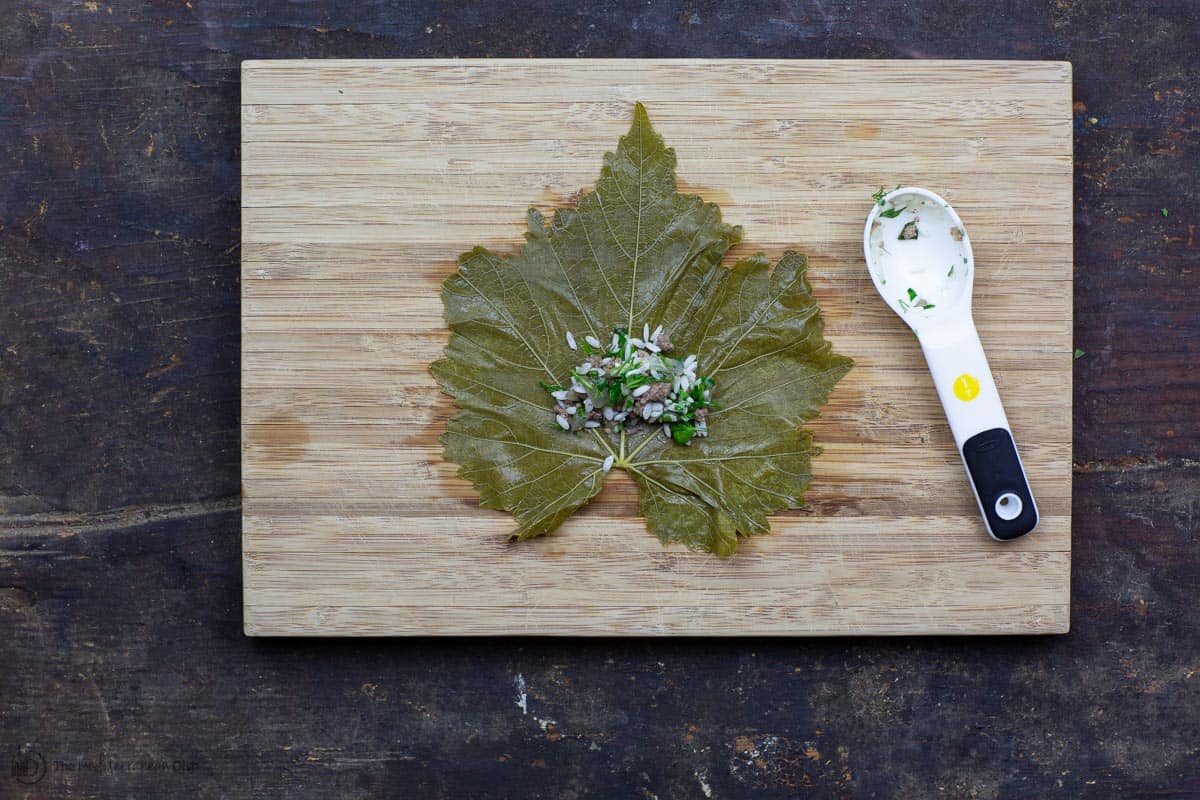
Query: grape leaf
636,252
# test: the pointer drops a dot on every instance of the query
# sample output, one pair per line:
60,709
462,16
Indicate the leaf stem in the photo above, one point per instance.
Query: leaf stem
649,438
605,444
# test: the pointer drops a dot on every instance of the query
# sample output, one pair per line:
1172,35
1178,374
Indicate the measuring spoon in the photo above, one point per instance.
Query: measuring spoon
919,257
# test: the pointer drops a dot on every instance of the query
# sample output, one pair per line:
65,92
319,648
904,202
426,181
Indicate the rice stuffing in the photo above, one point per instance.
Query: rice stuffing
631,382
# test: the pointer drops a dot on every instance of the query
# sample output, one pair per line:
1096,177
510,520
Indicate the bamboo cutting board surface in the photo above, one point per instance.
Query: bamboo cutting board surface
363,180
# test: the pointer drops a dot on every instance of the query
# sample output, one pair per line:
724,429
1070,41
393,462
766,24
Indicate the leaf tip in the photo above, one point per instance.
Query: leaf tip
478,251
535,220
437,369
641,126
642,136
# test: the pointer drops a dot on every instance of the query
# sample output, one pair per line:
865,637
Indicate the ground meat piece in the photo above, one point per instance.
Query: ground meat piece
664,343
655,395
595,361
701,414
596,415
658,392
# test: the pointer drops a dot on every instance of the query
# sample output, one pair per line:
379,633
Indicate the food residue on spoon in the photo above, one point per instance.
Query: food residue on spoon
920,245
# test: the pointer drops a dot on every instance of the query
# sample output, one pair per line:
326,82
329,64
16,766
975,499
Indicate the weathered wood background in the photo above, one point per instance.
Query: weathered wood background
123,670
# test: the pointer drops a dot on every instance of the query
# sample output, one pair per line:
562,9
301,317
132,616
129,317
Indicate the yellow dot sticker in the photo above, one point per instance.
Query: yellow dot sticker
966,387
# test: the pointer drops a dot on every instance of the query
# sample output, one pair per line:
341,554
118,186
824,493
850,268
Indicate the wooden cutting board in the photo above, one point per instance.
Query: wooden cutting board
363,180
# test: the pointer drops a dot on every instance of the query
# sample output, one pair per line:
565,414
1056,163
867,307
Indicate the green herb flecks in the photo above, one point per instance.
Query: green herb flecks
878,196
1079,354
632,380
917,302
892,213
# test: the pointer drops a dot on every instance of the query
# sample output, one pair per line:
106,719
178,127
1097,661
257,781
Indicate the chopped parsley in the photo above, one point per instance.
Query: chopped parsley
916,302
951,272
1079,354
878,196
892,213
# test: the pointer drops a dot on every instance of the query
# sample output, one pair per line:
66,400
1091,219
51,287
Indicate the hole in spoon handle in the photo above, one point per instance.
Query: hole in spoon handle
1000,485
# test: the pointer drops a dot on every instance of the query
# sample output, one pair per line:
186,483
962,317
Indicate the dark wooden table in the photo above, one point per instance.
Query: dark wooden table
123,669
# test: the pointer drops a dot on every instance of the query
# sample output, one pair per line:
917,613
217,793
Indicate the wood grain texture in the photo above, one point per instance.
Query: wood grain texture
363,180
